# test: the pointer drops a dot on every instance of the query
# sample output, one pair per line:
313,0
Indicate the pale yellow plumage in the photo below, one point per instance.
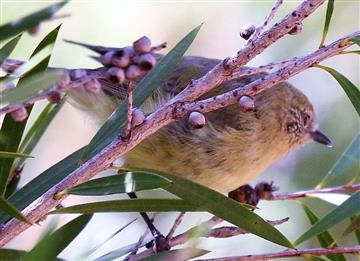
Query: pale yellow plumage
233,147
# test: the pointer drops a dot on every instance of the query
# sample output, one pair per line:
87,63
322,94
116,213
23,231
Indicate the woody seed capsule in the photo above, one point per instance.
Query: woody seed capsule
296,29
54,97
115,75
93,86
77,74
196,120
106,58
142,45
146,62
120,58
132,72
247,30
19,114
138,117
246,103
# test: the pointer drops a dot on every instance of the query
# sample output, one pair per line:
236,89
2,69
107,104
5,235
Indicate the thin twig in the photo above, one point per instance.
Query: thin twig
177,222
291,253
310,192
267,19
129,99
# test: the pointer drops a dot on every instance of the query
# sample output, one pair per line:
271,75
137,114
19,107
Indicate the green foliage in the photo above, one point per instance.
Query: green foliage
11,210
30,21
53,243
329,12
325,239
122,183
5,154
7,49
346,210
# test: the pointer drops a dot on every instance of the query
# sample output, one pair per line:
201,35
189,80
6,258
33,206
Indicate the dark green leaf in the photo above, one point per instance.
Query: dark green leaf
350,207
122,183
350,89
52,244
11,254
325,238
329,11
27,22
11,210
12,130
30,87
356,40
357,231
347,167
350,52
223,207
178,254
354,226
6,154
143,90
43,182
7,49
39,127
131,205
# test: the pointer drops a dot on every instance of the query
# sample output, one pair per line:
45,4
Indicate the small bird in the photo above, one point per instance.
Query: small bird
233,147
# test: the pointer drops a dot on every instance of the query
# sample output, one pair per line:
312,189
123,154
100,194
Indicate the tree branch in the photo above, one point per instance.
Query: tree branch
183,104
291,253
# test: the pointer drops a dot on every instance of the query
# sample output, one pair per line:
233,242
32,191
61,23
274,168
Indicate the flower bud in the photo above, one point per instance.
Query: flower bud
93,86
146,61
138,117
77,74
296,29
19,114
106,58
115,75
132,72
196,120
54,97
142,45
246,103
247,30
120,58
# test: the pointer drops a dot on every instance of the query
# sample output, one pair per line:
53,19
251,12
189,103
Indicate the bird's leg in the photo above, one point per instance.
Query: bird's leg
161,243
249,195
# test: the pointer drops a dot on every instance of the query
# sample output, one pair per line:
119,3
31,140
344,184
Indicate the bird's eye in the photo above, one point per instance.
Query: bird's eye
291,127
305,119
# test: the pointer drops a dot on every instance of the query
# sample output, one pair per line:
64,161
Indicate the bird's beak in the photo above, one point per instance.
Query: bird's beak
320,137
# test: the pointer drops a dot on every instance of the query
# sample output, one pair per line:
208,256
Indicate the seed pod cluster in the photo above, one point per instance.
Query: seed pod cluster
131,62
247,30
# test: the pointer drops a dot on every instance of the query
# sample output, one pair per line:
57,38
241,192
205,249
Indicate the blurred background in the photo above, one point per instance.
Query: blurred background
119,23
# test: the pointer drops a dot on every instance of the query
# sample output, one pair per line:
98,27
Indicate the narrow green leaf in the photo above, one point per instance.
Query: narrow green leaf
354,226
122,183
346,168
131,205
350,89
329,11
152,80
347,209
43,182
178,254
325,239
42,55
11,130
7,49
356,40
6,154
27,22
52,244
357,231
351,52
223,207
30,87
11,210
39,127
11,254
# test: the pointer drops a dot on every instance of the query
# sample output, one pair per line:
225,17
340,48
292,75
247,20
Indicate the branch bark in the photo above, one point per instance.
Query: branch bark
184,103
